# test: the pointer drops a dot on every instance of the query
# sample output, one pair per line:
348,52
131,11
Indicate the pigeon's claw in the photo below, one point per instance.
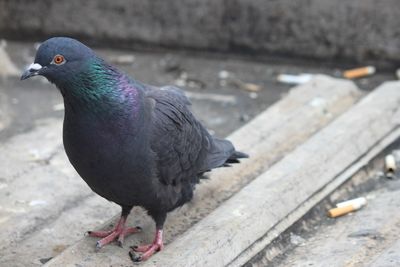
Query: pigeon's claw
141,249
147,253
99,233
108,239
118,233
147,250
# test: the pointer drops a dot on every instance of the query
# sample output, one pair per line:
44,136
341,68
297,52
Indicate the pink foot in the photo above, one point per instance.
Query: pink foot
119,233
147,250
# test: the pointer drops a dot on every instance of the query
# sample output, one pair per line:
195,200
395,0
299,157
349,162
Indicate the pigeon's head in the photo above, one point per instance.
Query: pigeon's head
59,59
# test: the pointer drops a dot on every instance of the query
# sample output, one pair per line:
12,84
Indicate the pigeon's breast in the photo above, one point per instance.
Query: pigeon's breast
113,160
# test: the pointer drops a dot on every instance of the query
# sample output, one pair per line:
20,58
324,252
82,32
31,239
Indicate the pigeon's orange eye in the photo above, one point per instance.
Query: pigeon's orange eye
58,59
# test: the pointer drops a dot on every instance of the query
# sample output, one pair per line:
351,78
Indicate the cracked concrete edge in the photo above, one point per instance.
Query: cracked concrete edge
259,207
268,138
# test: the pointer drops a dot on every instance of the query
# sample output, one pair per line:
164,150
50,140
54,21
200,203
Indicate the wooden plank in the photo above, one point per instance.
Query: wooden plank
268,138
57,233
252,213
282,225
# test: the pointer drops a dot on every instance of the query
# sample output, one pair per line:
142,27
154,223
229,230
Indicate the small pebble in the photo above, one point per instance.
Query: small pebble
37,202
223,74
253,95
244,117
123,59
44,260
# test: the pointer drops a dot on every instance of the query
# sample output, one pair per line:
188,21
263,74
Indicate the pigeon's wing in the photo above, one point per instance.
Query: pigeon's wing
179,141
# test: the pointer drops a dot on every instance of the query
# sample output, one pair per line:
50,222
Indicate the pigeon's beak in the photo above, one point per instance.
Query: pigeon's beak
32,70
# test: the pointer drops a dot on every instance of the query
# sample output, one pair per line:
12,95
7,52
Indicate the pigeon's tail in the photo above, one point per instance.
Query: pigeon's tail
235,156
222,154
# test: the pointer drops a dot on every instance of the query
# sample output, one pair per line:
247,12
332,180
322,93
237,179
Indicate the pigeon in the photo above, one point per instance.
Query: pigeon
133,144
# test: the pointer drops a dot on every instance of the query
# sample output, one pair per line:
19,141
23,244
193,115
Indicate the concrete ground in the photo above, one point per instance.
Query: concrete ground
31,109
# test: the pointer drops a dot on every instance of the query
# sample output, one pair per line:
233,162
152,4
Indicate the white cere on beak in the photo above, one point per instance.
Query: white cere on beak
35,66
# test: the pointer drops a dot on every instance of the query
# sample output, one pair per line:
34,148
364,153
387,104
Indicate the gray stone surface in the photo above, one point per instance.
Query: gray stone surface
328,29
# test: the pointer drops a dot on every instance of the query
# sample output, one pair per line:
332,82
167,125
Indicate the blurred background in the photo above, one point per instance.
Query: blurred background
233,58
227,53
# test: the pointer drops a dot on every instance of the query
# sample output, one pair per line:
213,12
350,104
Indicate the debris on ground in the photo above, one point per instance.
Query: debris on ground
122,59
346,207
296,239
227,99
7,67
294,79
59,248
185,81
392,161
44,260
372,233
359,72
244,117
37,202
390,166
253,95
228,78
170,64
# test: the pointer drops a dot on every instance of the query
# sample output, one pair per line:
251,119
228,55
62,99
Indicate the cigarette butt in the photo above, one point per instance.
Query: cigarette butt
390,163
359,72
336,212
294,79
251,87
357,203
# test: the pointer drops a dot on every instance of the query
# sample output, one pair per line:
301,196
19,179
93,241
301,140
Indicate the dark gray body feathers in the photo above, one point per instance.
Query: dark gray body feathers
153,161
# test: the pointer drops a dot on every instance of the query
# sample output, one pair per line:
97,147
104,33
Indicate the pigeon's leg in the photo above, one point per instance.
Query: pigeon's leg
119,232
157,245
